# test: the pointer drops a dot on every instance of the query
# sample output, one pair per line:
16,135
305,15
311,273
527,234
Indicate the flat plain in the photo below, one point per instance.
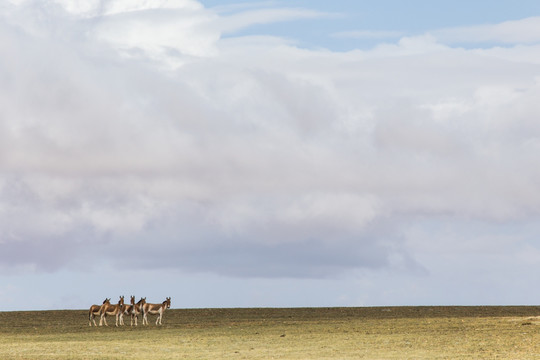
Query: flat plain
482,332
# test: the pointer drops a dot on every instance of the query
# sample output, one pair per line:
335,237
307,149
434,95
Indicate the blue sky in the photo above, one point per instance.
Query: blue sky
404,18
269,153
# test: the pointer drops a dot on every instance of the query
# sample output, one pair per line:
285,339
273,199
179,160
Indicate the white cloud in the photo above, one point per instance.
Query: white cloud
252,157
240,20
167,31
123,6
522,31
525,54
368,34
91,8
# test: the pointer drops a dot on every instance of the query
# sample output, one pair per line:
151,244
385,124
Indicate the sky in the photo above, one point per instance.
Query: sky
269,153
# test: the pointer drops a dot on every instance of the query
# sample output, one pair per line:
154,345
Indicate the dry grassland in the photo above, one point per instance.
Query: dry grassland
310,333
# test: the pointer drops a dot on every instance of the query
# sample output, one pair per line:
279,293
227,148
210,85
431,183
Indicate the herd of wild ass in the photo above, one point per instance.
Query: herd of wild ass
133,310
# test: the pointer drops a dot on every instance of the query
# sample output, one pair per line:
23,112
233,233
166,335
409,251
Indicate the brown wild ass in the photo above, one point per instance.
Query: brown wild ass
133,310
155,309
127,310
138,309
95,310
108,309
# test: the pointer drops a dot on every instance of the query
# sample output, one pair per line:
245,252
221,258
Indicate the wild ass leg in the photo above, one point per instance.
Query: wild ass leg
134,318
103,319
144,318
91,318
